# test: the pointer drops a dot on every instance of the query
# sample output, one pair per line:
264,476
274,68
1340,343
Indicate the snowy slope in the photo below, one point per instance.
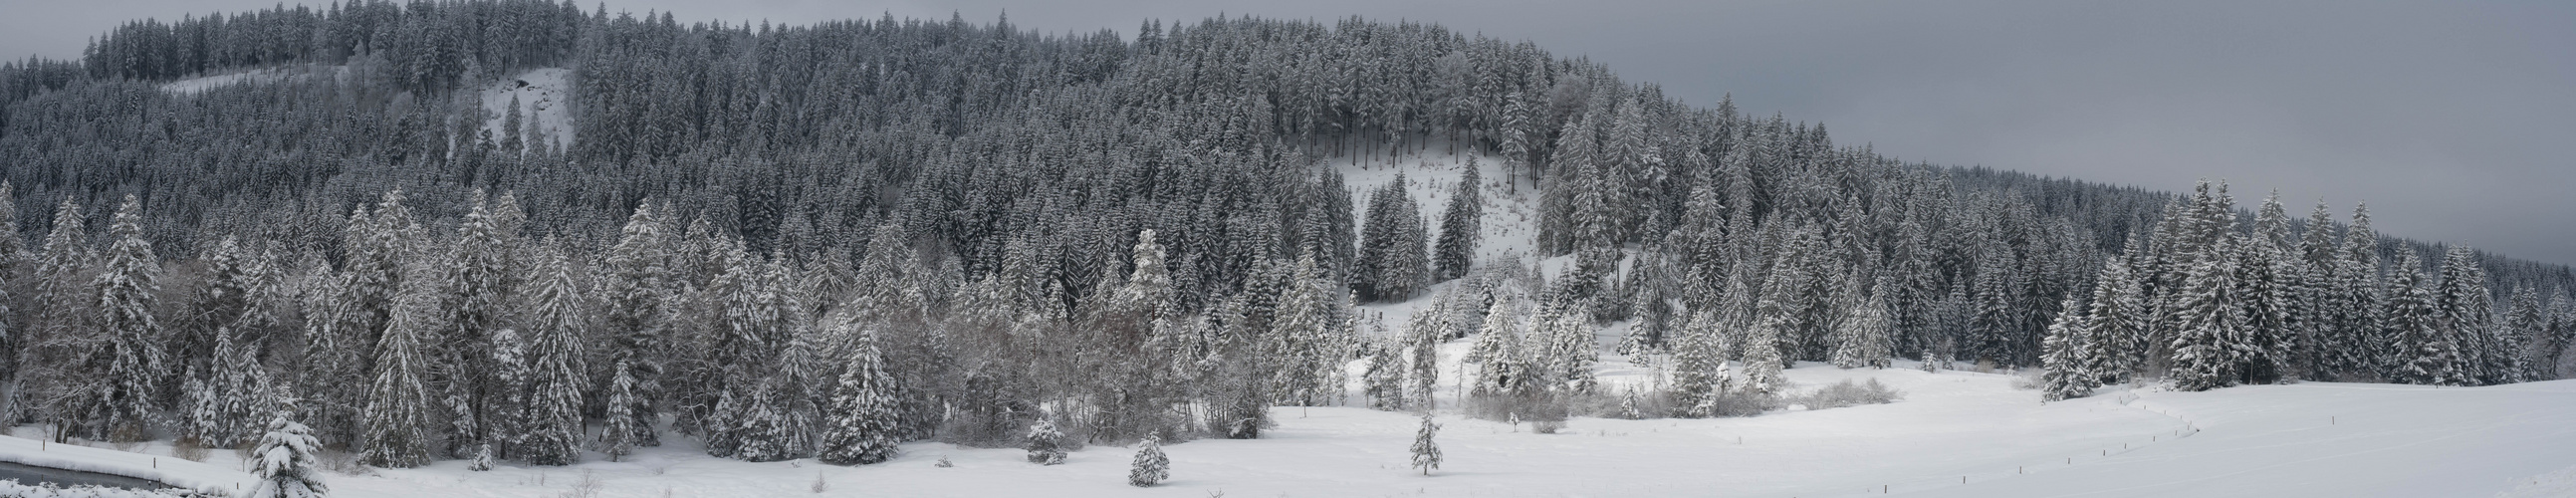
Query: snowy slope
544,95
260,75
1509,225
154,463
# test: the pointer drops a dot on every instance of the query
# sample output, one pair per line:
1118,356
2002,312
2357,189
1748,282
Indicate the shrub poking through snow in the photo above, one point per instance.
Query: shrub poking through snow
1151,466
1848,393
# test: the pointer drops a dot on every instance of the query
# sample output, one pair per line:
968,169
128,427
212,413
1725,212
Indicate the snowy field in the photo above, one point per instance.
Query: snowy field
2318,439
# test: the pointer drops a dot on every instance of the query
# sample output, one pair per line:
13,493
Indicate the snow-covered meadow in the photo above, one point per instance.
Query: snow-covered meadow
1955,434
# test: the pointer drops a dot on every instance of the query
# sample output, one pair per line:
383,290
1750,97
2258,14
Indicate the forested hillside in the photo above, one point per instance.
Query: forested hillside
822,240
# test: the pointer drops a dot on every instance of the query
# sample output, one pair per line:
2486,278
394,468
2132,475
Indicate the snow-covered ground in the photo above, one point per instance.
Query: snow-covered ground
1509,227
545,101
259,75
2317,439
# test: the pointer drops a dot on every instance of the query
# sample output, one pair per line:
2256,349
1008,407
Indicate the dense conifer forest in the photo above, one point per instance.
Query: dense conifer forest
820,241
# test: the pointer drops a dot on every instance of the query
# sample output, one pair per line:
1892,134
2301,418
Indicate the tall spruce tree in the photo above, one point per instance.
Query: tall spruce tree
2421,353
2067,374
1461,226
2209,346
2117,325
557,377
397,420
636,284
1699,366
2465,310
129,362
861,423
1865,337
1425,334
479,275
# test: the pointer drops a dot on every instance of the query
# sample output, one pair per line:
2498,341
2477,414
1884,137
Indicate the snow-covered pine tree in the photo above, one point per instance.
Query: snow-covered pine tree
514,375
1865,337
2116,325
1460,226
1151,466
240,390
2359,302
1426,454
1045,444
2421,354
2269,288
482,459
1408,269
1699,366
1762,355
1310,337
620,424
1423,345
2209,347
13,249
2465,311
2527,324
1497,351
1377,258
223,299
479,273
2066,373
1383,382
861,424
637,283
555,325
1994,318
13,254
130,360
1568,350
285,460
63,296
396,422
779,421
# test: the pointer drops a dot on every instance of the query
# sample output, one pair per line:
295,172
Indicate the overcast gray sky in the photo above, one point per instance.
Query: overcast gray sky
2447,117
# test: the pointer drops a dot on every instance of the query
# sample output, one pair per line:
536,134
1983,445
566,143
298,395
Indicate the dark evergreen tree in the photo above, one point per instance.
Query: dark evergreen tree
555,324
1461,226
399,403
